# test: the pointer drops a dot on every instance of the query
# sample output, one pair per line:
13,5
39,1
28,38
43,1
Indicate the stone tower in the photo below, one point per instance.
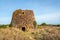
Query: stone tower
23,19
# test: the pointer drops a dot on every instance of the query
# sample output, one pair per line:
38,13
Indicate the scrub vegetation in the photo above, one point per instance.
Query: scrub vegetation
39,33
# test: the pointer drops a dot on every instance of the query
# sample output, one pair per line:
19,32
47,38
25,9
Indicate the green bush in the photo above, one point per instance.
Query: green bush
4,26
35,24
58,25
43,24
10,25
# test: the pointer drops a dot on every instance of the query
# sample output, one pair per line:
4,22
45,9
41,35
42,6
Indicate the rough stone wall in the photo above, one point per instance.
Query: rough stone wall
23,18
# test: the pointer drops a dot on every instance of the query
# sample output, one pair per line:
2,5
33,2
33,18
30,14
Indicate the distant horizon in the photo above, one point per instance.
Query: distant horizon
37,24
47,11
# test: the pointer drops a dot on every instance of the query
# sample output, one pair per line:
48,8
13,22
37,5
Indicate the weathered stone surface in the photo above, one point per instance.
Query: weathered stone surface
23,18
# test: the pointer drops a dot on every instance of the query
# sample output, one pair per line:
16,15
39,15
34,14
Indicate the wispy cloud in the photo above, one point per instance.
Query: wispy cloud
48,18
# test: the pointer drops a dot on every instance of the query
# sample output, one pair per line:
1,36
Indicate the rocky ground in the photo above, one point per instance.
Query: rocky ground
40,33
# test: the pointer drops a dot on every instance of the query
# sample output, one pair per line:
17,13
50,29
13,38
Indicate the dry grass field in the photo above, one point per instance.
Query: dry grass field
40,33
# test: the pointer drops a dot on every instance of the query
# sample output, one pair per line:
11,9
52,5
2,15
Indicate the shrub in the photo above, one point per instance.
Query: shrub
58,25
10,25
4,26
35,24
43,24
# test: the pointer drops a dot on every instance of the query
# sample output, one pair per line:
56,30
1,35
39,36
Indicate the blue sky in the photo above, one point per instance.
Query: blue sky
44,10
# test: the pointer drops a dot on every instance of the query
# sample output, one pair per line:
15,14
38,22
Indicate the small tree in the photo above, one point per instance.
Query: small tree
43,24
35,24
